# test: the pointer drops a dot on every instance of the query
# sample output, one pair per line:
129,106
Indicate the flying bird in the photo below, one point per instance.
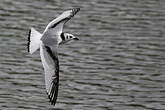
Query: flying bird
48,43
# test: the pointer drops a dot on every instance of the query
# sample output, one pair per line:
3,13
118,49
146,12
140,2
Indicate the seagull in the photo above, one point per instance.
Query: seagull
48,43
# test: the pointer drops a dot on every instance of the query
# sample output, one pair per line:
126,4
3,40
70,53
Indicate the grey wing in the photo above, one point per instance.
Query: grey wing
55,27
51,68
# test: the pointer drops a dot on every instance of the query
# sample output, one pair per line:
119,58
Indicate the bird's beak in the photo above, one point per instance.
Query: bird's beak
76,38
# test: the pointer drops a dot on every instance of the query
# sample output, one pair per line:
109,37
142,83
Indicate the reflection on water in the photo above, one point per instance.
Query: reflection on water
118,64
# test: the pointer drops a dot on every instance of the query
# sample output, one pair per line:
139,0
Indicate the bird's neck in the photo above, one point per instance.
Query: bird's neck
62,39
62,36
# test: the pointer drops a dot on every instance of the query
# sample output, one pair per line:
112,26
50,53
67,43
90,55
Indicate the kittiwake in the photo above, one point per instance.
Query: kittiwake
48,43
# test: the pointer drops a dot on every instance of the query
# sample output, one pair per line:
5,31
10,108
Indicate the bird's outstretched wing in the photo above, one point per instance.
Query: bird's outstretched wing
50,63
48,52
55,27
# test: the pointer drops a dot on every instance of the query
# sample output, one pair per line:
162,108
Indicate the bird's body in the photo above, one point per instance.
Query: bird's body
48,43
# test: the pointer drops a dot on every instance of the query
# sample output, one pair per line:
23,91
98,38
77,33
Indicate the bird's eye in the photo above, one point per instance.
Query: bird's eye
70,36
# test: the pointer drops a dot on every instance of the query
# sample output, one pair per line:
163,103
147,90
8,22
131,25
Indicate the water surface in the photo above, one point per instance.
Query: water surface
118,64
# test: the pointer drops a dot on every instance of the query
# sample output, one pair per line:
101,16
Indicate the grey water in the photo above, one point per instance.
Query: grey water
118,63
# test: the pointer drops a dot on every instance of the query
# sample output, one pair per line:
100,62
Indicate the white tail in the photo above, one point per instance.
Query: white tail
33,40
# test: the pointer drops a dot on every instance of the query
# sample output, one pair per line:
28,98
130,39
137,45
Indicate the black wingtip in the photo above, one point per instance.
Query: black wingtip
28,44
78,9
75,10
52,100
52,95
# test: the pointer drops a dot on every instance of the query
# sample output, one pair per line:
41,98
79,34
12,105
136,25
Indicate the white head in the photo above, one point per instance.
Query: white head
66,37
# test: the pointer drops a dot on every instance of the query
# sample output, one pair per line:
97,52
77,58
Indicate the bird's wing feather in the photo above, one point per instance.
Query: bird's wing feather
50,63
55,27
48,52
